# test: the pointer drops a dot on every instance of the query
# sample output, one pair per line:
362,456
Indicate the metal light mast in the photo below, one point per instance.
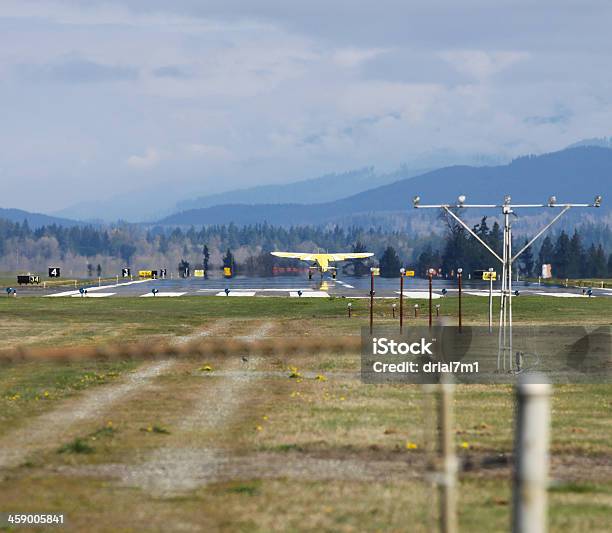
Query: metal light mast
505,311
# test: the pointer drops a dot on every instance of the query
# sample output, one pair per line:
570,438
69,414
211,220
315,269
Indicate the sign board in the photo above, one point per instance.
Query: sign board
198,273
409,273
162,273
54,272
145,273
375,271
547,271
227,272
489,276
126,272
28,280
154,274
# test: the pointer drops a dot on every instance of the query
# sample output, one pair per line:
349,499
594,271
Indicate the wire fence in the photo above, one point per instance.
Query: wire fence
197,347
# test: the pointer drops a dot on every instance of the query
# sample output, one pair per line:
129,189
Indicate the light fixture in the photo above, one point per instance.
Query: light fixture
402,271
597,202
416,200
507,199
552,201
459,270
461,199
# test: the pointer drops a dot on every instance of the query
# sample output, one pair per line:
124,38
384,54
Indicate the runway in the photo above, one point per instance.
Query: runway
299,287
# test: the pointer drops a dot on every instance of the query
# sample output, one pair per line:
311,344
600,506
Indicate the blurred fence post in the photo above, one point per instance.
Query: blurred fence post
448,476
532,435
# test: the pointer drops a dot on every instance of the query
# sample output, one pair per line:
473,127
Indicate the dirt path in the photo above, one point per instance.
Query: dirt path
185,463
49,430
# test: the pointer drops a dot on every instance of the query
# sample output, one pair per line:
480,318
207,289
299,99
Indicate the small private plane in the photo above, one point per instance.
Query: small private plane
320,262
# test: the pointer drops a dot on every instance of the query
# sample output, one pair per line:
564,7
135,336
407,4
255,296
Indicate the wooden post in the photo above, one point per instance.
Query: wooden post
430,294
401,302
448,476
371,301
532,434
459,275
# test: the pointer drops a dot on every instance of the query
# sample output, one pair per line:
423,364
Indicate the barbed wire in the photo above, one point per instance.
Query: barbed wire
200,347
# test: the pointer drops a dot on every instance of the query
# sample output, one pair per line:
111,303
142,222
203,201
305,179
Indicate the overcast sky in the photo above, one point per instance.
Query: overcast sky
97,97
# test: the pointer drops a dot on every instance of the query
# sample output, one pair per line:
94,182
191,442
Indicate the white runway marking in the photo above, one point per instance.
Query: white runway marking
169,294
95,295
419,294
481,293
310,294
563,294
279,289
345,284
99,288
237,293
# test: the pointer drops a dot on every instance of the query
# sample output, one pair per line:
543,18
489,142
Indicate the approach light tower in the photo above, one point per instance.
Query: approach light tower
505,311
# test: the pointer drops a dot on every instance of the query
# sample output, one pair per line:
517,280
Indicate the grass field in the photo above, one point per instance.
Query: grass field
222,444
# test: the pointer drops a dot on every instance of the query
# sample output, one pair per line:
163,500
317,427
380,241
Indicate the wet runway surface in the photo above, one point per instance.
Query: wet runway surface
298,286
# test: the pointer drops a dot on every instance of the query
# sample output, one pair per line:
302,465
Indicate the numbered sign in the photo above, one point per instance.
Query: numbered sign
126,272
489,276
145,273
227,272
199,273
375,271
409,273
162,273
54,272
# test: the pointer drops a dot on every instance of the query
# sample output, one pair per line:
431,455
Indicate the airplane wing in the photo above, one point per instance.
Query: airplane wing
295,255
344,257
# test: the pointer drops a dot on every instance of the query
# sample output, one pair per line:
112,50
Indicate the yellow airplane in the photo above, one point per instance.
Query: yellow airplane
320,262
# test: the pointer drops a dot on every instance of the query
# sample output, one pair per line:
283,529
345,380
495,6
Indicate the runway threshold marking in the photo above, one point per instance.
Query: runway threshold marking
309,294
419,294
236,293
95,295
166,294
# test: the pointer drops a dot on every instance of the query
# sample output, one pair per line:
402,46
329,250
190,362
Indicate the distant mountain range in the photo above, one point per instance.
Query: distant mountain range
35,220
312,191
574,174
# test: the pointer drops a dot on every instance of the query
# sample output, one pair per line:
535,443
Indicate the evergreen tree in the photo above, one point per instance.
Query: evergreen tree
99,270
545,255
561,259
228,260
89,270
575,267
609,266
596,260
389,263
205,258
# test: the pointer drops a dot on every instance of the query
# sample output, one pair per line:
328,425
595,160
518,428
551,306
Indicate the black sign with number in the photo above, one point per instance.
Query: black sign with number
54,272
162,273
125,272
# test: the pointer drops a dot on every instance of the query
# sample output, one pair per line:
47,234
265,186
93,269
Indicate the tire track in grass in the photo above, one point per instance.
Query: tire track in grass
176,469
49,430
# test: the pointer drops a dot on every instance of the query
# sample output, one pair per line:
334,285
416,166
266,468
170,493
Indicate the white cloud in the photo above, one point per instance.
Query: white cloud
209,151
150,159
481,64
354,57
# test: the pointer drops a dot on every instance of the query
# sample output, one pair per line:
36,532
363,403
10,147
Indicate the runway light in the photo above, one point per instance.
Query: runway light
516,293
597,202
444,291
416,200
507,199
227,291
461,199
299,293
552,201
